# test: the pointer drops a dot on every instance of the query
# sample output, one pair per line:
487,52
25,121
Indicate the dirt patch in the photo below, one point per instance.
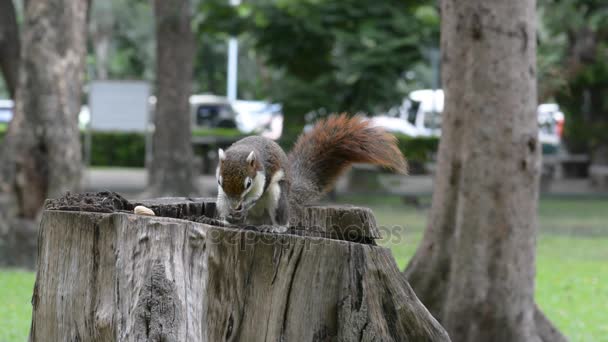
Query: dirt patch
193,209
97,202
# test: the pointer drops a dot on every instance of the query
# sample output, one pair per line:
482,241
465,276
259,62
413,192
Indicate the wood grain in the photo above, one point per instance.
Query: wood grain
123,277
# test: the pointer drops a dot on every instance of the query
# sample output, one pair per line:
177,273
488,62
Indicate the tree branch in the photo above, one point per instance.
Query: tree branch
9,45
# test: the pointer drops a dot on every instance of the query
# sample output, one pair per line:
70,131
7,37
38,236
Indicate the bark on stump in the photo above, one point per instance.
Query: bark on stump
115,276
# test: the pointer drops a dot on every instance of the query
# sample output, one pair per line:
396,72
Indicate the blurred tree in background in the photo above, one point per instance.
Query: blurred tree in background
122,40
9,46
41,153
123,47
330,56
172,170
317,57
573,60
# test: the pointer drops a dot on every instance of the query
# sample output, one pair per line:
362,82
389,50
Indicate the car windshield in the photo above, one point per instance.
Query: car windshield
215,115
412,111
209,111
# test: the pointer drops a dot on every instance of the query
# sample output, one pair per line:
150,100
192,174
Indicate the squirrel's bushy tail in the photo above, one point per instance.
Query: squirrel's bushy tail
333,145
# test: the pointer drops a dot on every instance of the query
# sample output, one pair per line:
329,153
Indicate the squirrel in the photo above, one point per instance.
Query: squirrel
259,184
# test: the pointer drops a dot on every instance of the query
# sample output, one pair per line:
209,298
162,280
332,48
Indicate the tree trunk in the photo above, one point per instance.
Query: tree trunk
42,153
475,267
9,45
101,29
120,277
172,169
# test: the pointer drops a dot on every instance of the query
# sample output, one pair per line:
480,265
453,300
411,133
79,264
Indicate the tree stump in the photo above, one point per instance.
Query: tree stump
105,274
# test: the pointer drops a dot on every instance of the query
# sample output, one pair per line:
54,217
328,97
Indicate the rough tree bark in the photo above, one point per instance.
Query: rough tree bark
121,277
9,45
475,267
41,151
172,169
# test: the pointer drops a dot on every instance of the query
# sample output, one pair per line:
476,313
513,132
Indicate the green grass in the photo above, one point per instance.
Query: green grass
578,217
15,304
572,259
571,285
572,265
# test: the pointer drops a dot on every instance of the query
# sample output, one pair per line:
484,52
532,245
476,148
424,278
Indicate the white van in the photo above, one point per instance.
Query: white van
420,115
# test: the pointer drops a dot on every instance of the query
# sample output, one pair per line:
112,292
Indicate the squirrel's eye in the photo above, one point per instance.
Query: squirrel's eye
248,183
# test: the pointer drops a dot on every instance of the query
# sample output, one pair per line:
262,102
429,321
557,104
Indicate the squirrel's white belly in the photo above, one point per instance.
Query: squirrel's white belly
267,204
264,209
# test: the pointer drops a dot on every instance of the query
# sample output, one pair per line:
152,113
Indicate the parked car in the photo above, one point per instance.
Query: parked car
249,117
420,115
550,127
259,117
6,110
211,111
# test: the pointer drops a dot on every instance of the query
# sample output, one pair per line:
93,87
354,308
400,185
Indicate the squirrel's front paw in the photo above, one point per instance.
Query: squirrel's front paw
279,229
236,217
273,229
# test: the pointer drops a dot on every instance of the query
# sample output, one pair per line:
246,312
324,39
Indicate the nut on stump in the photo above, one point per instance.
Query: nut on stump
141,210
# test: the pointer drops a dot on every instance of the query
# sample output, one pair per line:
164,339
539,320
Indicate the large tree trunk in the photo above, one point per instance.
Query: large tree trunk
475,267
120,277
172,171
9,45
41,151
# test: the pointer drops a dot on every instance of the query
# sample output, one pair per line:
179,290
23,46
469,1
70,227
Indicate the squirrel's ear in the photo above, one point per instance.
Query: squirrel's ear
222,154
251,158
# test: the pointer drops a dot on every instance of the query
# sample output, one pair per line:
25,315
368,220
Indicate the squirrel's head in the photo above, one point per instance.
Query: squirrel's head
237,174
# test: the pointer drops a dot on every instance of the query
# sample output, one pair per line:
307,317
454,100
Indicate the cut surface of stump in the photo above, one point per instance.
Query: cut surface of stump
116,276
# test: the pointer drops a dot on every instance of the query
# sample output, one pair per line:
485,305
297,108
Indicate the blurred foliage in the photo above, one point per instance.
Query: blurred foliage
573,66
118,149
216,132
3,128
329,56
130,27
127,149
3,90
314,56
419,150
131,51
323,56
210,75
